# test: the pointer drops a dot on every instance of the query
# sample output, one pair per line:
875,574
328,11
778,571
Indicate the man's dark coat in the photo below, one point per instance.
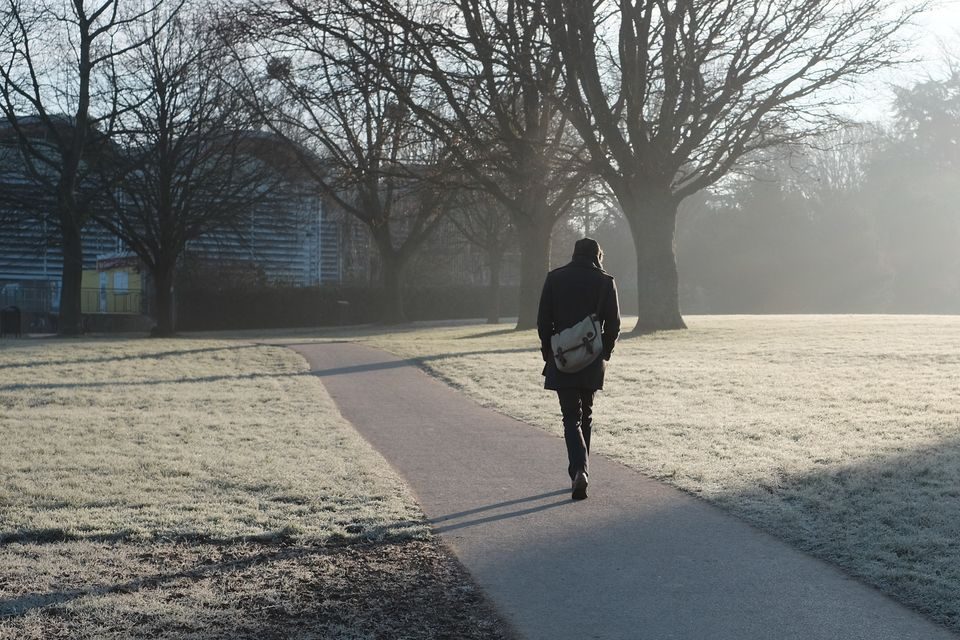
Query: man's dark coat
569,294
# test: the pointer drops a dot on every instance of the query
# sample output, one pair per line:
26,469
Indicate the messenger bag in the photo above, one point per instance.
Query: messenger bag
578,346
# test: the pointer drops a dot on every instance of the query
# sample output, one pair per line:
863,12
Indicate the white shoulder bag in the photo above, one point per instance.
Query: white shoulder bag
578,346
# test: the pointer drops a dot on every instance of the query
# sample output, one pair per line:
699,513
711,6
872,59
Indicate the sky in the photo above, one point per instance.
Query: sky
943,20
936,29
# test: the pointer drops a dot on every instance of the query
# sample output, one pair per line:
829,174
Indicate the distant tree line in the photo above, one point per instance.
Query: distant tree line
867,220
507,114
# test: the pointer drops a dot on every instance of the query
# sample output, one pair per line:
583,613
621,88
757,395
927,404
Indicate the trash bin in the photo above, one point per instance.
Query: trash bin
343,312
10,321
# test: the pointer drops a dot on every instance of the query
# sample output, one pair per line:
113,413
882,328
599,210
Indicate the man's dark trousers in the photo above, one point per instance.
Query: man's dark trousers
577,408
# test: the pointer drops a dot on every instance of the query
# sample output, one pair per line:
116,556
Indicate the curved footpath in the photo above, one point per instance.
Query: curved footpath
638,560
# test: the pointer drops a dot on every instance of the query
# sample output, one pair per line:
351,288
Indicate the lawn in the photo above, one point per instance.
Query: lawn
208,487
205,489
840,434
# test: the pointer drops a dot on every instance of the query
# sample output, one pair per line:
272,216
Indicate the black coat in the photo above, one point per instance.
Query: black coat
569,294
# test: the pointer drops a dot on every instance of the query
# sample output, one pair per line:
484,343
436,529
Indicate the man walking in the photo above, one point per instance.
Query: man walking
571,293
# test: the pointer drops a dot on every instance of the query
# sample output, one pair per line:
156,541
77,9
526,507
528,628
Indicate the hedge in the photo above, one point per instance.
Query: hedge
279,307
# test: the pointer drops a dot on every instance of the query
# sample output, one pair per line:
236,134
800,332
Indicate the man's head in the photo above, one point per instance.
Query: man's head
589,248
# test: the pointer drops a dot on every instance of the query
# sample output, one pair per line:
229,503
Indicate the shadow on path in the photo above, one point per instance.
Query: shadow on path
368,367
440,523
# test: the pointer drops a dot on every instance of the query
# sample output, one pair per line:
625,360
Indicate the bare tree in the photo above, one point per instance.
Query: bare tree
199,168
669,96
55,58
362,145
22,200
492,64
593,207
484,223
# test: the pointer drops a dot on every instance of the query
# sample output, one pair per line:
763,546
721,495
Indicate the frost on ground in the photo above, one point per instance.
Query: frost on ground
251,591
840,434
197,488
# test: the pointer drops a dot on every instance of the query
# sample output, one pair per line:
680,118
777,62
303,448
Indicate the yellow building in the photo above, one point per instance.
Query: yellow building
116,286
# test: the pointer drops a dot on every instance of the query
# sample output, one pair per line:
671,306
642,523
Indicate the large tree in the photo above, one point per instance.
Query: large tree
198,165
56,58
360,142
670,95
498,77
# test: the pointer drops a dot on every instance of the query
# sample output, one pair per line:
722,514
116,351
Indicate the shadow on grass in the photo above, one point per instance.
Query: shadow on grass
335,332
490,334
393,532
22,604
893,523
143,356
49,386
360,368
406,588
274,546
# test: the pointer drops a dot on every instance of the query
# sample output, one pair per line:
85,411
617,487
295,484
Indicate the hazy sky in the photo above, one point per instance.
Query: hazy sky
944,18
936,30
940,26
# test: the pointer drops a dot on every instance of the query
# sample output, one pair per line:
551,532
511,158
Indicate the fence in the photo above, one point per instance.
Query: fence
111,301
43,299
29,299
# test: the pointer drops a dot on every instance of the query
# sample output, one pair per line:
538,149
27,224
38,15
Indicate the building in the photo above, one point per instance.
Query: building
289,238
31,262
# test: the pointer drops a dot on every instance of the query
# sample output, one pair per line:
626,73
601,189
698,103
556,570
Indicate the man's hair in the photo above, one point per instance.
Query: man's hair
588,247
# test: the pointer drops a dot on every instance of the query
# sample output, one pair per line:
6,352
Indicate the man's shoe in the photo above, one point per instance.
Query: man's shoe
580,486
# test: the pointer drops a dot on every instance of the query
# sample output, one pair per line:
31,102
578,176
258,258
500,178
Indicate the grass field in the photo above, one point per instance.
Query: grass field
190,488
840,434
204,489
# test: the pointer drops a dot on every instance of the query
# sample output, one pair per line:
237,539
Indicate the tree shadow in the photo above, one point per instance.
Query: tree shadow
272,545
893,522
258,592
159,355
49,386
21,605
492,333
339,333
361,368
466,354
398,530
416,362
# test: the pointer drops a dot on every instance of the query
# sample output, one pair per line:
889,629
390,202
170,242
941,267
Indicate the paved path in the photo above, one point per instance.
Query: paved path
637,560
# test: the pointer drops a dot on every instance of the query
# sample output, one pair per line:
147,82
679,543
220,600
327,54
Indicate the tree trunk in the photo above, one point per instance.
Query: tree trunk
495,257
534,263
392,266
163,301
653,225
70,321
